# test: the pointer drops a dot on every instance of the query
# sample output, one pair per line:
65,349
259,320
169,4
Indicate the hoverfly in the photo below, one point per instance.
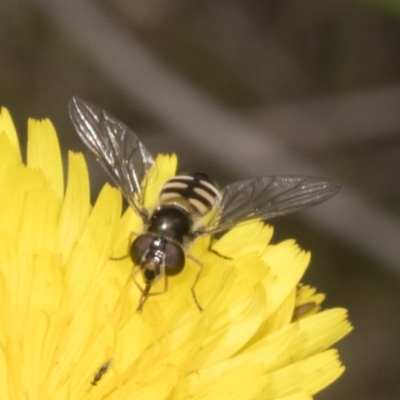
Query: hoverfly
159,252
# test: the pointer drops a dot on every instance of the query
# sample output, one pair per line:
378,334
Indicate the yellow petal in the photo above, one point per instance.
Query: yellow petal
316,334
94,248
279,318
302,395
5,381
153,388
44,153
39,221
287,264
9,155
244,238
240,383
7,127
311,374
76,206
273,345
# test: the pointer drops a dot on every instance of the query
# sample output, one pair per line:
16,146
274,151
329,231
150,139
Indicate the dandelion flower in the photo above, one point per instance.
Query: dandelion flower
69,326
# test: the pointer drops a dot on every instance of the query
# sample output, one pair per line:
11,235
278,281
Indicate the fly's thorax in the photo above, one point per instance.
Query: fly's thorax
196,192
171,222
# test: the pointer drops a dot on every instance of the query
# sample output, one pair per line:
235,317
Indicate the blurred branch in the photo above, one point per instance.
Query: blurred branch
331,121
215,131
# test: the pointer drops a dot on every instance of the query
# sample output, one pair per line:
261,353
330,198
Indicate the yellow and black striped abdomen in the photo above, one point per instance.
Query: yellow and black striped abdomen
197,189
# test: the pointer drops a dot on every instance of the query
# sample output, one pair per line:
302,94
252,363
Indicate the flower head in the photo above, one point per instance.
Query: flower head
69,326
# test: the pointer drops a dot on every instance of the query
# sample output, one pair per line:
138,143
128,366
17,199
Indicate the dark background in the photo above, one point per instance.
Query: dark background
240,89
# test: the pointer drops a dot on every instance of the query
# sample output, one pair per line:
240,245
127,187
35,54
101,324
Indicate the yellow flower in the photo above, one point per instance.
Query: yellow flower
69,326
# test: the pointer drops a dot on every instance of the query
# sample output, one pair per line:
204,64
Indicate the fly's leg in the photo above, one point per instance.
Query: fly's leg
200,265
130,240
145,295
146,290
219,254
215,251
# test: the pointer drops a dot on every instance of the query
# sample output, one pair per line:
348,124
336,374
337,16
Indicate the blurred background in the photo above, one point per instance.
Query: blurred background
242,89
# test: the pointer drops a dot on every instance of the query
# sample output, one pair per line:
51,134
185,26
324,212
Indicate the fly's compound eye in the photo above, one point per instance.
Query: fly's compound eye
139,247
174,259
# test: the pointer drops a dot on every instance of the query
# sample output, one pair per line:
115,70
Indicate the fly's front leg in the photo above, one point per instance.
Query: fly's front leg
130,240
143,290
146,290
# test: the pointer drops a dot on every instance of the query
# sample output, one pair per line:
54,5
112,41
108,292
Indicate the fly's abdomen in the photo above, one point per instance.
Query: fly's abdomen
196,191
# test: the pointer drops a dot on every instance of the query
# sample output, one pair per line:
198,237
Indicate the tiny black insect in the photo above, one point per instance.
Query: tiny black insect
159,252
102,370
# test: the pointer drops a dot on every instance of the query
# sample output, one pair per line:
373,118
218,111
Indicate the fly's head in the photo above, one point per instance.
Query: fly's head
157,258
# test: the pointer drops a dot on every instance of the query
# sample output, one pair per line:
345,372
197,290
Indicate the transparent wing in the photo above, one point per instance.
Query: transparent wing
268,197
115,147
